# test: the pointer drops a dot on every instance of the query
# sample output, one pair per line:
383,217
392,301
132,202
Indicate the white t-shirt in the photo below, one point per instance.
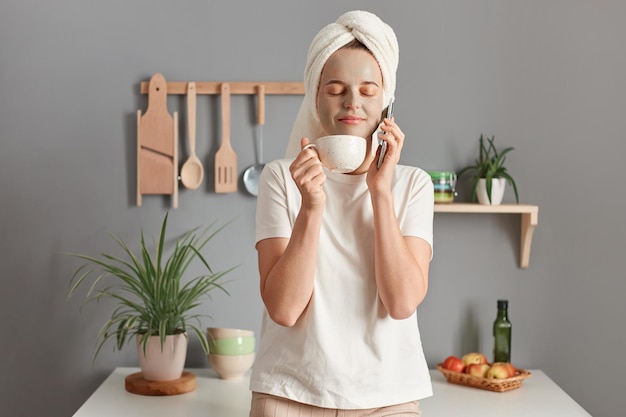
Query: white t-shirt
345,352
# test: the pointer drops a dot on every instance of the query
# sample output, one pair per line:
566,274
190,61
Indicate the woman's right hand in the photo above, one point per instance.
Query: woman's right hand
308,173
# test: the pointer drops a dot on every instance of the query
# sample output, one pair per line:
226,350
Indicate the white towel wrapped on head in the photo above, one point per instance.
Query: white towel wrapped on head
368,29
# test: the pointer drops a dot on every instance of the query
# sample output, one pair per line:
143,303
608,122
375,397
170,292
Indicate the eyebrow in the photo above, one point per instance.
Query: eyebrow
341,82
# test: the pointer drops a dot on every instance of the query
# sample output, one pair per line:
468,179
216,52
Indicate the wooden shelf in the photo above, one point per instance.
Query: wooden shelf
530,219
236,87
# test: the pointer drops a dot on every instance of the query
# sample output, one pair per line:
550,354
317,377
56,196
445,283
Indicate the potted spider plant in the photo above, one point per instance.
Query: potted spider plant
490,174
154,306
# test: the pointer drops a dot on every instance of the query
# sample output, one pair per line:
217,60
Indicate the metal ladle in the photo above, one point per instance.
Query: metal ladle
192,173
253,172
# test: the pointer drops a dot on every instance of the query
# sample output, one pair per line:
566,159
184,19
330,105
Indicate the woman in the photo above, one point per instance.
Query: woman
343,258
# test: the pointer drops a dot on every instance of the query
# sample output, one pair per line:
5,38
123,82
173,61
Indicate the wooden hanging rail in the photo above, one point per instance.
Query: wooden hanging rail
213,87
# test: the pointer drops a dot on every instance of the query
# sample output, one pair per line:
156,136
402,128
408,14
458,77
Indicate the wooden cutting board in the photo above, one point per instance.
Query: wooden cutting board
137,384
157,145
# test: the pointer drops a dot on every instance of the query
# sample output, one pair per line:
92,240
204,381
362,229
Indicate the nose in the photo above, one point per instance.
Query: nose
352,100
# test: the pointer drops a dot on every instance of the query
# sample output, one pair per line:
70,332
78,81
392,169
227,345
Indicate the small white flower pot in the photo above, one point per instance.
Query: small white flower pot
165,365
497,191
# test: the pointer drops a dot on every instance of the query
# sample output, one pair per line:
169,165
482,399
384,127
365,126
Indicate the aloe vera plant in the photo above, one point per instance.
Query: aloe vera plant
489,165
149,291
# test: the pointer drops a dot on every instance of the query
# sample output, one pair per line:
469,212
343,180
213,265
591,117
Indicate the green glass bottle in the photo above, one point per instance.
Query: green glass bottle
502,334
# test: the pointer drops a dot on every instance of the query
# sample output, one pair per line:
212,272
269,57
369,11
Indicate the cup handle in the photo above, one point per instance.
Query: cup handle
309,146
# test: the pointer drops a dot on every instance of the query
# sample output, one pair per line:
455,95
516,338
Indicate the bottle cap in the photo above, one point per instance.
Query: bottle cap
503,303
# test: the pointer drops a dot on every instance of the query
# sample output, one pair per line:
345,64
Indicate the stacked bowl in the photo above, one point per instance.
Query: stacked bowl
231,351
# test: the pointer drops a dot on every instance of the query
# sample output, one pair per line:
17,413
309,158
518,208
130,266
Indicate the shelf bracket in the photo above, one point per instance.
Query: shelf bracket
529,222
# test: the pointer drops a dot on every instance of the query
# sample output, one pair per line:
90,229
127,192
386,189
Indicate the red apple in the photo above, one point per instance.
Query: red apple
477,369
453,363
473,357
511,368
501,370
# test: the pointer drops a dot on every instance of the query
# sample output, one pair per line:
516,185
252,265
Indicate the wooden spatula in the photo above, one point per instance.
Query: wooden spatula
225,157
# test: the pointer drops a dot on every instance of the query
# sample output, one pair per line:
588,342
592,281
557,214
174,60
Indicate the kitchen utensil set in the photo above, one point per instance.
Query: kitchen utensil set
157,137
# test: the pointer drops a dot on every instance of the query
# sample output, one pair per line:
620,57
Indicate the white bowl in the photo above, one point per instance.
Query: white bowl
231,366
224,332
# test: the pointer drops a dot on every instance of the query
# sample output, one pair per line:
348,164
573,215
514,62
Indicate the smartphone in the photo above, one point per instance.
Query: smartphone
388,113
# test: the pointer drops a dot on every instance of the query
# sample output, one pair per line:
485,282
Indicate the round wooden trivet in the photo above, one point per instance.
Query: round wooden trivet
136,384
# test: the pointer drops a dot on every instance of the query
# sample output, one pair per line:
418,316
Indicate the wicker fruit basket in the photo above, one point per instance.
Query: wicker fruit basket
498,385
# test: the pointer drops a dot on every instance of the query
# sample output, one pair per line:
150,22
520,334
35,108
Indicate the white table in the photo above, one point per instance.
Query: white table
539,396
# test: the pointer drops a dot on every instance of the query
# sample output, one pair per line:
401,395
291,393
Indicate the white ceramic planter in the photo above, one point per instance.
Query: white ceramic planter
165,365
497,191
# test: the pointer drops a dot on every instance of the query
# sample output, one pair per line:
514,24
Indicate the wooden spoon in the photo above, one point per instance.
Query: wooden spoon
192,172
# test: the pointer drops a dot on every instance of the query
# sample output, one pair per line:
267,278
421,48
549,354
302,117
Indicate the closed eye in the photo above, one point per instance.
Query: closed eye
369,90
334,88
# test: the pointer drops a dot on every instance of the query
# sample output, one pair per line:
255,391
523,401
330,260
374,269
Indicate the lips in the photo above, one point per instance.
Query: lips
351,120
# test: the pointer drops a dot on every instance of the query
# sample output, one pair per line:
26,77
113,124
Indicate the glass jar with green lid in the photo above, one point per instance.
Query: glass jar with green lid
444,183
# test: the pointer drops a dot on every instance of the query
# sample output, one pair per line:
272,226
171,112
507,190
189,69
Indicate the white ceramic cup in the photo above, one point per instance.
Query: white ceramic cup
340,153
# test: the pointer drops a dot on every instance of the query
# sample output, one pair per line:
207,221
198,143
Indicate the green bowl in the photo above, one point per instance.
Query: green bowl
242,345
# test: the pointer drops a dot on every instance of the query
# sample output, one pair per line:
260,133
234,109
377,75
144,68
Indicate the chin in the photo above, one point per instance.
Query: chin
353,131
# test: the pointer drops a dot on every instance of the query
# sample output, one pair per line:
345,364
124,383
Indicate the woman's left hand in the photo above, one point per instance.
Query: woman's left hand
379,179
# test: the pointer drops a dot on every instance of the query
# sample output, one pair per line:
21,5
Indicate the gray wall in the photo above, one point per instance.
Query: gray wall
546,77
